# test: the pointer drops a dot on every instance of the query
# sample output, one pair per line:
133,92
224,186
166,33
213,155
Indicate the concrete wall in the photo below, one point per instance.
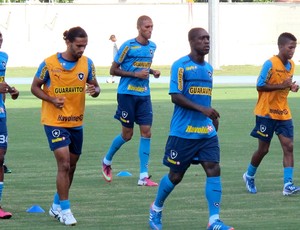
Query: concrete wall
247,32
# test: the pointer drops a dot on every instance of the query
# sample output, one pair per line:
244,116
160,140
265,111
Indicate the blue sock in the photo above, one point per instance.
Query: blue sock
115,145
288,174
1,189
65,204
251,170
56,199
144,153
213,193
164,189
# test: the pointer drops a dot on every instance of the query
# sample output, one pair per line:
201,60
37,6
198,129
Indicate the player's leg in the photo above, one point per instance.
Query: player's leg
209,157
176,151
60,148
285,132
3,148
63,181
5,168
116,144
144,118
125,114
144,155
166,186
263,131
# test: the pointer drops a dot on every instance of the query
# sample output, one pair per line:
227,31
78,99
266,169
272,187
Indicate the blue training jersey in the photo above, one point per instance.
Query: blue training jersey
195,82
133,57
3,62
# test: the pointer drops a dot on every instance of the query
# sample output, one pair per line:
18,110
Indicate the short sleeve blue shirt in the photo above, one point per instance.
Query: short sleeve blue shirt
195,82
3,62
133,57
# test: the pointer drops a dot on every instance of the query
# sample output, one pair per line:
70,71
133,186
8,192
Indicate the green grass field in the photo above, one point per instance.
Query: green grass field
122,204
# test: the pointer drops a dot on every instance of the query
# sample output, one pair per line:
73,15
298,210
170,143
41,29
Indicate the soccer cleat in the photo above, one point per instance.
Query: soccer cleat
68,219
56,214
290,189
219,225
250,184
6,170
155,219
146,181
107,172
4,215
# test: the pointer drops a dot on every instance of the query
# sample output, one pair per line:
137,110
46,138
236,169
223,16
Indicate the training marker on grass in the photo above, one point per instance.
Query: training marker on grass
35,209
124,173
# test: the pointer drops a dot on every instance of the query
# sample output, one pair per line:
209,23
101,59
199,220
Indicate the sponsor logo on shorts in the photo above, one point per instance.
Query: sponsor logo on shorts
56,134
262,129
171,159
173,162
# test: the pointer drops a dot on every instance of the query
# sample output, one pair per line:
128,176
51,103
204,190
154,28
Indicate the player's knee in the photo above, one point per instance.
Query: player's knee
176,178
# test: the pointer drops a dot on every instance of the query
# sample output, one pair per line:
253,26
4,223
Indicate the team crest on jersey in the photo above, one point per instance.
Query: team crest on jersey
210,74
173,154
124,114
81,76
151,51
262,128
55,133
4,64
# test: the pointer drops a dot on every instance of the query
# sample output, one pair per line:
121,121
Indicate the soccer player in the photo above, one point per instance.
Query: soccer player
193,131
273,114
113,39
4,88
61,82
132,63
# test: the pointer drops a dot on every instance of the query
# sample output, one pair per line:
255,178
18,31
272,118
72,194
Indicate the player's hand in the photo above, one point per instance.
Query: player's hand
58,102
211,113
294,87
287,83
14,93
4,87
92,90
143,74
156,73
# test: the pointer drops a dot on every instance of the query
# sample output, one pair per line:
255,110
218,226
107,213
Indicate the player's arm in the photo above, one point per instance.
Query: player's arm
5,88
286,84
115,70
36,90
14,93
93,88
264,77
216,123
155,73
181,100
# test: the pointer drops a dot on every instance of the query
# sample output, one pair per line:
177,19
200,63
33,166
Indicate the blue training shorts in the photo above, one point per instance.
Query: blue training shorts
180,153
3,133
60,137
265,128
132,109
